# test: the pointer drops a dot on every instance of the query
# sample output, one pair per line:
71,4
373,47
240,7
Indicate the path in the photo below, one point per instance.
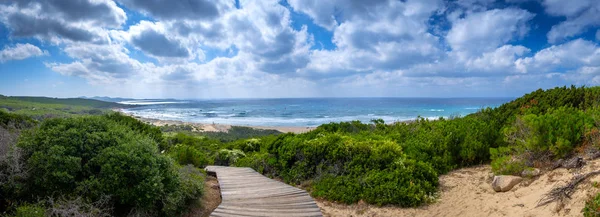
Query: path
248,193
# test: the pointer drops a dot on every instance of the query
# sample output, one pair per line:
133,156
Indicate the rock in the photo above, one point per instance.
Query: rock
574,162
505,183
531,172
214,186
557,164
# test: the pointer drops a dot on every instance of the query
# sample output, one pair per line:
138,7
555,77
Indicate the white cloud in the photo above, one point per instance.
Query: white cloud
155,40
62,21
580,16
380,35
381,47
20,51
576,62
485,31
186,10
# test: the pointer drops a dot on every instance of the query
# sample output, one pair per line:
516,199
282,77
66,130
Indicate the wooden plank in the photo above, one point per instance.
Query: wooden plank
245,192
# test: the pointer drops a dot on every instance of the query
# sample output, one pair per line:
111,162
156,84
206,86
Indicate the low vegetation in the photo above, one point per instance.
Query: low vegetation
40,108
110,158
399,163
86,161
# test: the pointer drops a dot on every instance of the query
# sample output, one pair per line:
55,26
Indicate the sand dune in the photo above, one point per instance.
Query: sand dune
467,192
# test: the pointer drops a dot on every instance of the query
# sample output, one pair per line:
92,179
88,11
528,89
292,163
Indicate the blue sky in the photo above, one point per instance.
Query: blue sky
296,48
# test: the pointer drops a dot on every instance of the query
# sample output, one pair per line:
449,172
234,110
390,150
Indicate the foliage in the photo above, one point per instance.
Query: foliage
102,155
30,210
239,132
40,108
503,163
185,154
226,157
78,206
15,121
353,161
592,207
557,131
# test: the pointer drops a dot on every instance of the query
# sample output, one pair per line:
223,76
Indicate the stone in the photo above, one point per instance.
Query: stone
531,172
505,183
575,162
214,186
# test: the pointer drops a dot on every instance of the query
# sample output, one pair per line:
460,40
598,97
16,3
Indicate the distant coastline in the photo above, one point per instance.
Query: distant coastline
302,113
215,127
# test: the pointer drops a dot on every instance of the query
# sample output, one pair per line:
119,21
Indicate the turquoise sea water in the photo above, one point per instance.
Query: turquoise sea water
309,111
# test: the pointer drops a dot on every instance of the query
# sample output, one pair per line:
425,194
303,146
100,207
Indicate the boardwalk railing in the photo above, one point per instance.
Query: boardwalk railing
245,192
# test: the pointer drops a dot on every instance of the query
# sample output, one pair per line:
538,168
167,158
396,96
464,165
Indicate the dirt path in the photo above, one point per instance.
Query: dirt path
467,192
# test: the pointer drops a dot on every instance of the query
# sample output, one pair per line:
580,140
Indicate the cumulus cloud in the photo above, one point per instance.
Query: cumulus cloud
485,31
99,63
190,9
570,56
379,35
20,51
153,39
257,48
580,16
58,21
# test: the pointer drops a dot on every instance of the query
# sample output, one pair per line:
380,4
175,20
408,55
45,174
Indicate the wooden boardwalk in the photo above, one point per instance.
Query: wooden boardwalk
245,192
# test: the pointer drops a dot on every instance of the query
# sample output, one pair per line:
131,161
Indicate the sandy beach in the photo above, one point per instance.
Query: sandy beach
468,192
216,127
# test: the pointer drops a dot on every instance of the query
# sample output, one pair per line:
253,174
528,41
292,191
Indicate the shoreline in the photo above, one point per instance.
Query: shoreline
214,127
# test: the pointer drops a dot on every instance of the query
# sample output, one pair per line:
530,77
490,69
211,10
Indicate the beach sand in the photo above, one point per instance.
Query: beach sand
468,192
216,127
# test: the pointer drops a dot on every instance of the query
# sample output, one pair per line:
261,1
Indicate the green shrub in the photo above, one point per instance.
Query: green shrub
504,163
592,207
30,210
558,131
226,157
185,155
345,168
190,188
200,143
410,183
262,162
100,155
192,181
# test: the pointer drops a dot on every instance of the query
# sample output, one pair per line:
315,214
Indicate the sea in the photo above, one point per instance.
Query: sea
307,112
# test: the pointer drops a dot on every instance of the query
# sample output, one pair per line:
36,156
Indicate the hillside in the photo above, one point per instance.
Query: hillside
44,107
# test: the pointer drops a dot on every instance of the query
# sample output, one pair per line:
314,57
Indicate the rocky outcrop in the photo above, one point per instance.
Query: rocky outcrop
505,183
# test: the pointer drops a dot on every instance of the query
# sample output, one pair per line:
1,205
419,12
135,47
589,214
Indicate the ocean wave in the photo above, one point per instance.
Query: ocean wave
244,120
149,102
436,110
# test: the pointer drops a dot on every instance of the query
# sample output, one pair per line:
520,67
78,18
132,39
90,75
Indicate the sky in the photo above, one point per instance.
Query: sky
296,48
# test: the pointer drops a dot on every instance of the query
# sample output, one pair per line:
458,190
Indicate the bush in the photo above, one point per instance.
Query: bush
101,155
592,207
185,155
344,168
200,143
409,184
30,210
504,163
226,157
79,207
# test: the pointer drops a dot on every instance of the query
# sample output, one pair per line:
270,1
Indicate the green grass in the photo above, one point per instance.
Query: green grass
43,107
